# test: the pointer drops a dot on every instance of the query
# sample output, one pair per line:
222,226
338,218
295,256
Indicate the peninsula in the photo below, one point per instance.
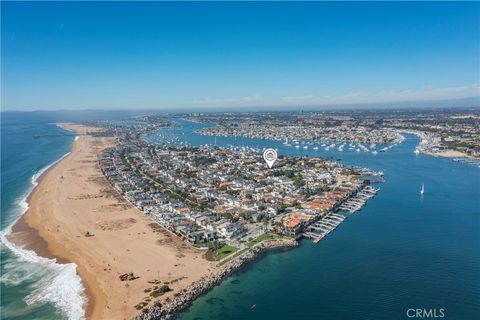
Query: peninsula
153,226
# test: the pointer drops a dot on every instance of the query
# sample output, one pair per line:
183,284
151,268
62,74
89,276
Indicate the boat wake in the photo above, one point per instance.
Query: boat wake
53,283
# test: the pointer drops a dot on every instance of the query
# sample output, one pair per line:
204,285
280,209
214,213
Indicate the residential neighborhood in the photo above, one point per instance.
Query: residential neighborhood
205,194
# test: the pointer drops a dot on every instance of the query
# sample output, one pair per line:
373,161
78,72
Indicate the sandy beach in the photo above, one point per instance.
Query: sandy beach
72,198
450,154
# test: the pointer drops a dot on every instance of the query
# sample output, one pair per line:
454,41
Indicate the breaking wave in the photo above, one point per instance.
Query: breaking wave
58,284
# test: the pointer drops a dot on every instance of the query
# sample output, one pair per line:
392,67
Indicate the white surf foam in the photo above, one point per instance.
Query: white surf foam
59,283
63,128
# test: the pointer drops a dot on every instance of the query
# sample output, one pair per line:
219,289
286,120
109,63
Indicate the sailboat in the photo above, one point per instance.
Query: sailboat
422,191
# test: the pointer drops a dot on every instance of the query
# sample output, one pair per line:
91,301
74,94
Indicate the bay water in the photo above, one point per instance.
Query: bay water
401,251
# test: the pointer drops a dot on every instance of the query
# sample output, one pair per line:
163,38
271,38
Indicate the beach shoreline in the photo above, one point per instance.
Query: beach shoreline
72,198
448,153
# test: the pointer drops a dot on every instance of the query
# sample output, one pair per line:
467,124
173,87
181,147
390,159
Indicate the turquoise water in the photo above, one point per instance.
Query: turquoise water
33,287
401,251
22,157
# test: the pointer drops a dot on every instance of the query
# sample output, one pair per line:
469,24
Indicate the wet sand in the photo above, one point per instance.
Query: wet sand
72,198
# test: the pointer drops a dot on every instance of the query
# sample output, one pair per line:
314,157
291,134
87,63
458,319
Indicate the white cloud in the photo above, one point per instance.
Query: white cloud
384,96
388,95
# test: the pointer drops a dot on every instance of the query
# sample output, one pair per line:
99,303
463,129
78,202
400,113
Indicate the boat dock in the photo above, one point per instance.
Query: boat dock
322,227
318,230
357,202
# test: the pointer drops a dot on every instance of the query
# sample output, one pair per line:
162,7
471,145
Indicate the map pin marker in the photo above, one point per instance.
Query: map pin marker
270,156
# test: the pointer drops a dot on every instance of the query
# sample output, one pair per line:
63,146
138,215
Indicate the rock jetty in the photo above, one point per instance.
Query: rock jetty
170,307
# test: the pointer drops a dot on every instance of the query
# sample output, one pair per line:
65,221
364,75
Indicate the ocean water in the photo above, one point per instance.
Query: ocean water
33,287
401,251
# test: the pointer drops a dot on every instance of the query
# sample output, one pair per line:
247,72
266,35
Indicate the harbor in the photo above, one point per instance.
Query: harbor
318,230
357,202
363,244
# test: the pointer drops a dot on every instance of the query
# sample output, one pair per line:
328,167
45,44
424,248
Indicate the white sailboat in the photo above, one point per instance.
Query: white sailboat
422,191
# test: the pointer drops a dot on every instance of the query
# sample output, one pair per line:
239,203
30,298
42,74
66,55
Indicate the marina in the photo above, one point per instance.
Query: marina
318,230
474,162
383,226
357,202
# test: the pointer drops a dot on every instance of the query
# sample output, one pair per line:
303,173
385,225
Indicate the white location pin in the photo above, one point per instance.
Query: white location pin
270,156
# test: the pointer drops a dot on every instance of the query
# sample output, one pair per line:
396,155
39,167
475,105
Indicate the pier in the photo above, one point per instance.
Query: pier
357,202
322,227
318,230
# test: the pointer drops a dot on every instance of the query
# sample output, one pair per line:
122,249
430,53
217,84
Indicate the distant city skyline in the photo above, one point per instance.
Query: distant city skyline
144,55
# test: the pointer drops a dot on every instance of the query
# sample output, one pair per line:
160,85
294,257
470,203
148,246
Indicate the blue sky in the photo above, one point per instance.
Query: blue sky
142,55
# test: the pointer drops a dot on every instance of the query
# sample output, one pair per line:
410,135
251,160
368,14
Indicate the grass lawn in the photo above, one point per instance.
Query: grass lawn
262,237
221,253
250,244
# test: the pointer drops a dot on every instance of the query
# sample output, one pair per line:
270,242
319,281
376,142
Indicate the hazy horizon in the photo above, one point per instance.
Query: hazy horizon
464,103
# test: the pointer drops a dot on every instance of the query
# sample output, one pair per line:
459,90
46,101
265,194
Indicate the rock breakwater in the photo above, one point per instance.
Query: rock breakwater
169,307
